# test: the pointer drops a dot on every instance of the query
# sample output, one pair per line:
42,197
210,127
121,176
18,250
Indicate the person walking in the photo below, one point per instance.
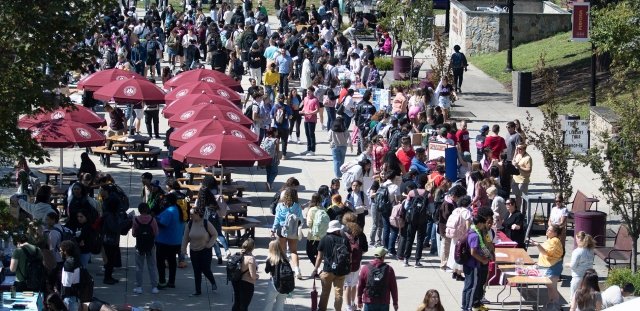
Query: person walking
244,288
281,113
271,144
333,249
200,235
377,284
472,267
145,229
358,241
581,260
286,226
459,65
276,257
310,108
339,139
169,240
317,222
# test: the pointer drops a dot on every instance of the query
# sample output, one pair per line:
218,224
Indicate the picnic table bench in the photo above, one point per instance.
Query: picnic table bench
104,153
144,158
246,224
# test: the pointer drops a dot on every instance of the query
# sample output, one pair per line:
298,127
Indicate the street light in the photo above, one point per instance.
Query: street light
509,67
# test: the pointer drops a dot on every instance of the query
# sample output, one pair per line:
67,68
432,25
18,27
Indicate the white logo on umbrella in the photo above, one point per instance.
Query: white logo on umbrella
130,91
233,117
182,93
207,149
189,133
223,93
83,133
209,80
186,115
237,133
255,149
118,78
35,133
57,115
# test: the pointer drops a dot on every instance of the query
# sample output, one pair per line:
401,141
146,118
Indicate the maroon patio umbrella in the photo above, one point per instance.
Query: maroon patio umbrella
104,77
209,127
225,150
205,75
185,102
208,112
61,133
76,113
130,91
208,88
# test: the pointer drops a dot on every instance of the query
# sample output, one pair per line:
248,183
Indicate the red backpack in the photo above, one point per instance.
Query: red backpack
356,252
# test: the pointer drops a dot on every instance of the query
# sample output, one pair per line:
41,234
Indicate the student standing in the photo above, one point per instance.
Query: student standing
243,289
200,235
145,229
310,108
379,297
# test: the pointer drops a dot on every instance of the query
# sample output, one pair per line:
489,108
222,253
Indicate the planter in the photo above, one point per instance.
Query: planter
402,68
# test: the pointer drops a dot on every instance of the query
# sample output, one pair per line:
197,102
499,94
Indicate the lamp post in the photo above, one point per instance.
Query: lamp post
446,17
509,67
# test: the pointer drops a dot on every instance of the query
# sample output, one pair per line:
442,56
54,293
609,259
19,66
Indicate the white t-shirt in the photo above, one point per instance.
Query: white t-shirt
557,213
611,297
394,191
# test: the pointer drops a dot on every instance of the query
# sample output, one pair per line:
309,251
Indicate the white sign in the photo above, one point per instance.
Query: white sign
436,150
576,135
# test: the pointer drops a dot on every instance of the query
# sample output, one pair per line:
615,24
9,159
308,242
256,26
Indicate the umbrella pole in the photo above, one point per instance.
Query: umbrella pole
61,166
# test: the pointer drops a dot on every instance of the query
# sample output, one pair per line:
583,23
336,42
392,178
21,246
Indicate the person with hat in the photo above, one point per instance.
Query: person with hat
418,163
377,297
331,274
480,138
459,65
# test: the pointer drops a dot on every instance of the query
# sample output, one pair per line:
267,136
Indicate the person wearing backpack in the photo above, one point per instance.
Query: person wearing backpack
445,210
359,246
26,262
70,278
282,278
385,205
55,235
477,257
145,229
280,115
335,250
244,287
271,144
200,235
317,222
87,238
459,65
458,224
377,283
417,217
111,237
209,199
286,225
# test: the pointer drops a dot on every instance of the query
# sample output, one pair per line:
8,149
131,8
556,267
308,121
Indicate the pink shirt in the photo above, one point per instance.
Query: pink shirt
310,104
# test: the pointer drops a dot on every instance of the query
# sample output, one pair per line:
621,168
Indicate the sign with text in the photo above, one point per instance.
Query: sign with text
580,21
576,135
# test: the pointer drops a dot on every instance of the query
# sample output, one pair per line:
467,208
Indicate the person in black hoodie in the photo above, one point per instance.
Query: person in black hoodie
70,274
111,234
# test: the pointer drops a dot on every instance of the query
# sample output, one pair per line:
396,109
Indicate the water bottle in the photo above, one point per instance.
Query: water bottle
13,292
519,266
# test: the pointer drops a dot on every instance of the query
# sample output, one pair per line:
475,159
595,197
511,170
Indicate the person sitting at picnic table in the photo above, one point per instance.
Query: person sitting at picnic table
40,208
551,252
86,166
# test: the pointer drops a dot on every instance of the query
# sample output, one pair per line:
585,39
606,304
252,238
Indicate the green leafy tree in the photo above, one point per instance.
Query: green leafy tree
409,21
615,30
38,45
615,162
548,140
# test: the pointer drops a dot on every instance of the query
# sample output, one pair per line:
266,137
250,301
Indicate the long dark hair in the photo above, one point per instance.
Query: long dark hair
584,295
338,125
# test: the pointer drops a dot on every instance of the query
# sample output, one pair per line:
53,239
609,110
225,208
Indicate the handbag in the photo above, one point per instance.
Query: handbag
314,296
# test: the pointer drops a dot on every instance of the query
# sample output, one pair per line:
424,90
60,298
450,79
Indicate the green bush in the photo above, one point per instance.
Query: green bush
406,84
383,63
623,276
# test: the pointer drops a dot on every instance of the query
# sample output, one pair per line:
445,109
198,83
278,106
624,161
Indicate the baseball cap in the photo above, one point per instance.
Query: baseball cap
484,128
420,150
379,252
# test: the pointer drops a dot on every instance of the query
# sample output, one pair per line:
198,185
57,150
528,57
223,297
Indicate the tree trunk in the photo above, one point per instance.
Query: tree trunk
634,252
413,58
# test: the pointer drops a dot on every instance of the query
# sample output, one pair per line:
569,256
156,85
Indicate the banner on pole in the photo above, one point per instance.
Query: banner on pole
580,21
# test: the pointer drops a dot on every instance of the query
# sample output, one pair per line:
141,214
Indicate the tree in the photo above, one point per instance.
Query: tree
549,139
41,41
615,30
410,21
442,65
615,162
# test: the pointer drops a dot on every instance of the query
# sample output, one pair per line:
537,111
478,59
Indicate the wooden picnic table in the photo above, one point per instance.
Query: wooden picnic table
509,256
247,224
201,171
521,281
54,172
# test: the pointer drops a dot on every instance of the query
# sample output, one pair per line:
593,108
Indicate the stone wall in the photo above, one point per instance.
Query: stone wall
601,120
482,32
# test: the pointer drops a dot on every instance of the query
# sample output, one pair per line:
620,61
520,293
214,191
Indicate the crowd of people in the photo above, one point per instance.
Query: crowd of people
406,196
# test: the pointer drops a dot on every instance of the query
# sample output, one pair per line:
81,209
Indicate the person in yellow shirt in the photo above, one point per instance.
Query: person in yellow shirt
271,80
551,253
522,161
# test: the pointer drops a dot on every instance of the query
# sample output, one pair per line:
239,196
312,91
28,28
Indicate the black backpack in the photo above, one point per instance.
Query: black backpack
111,59
262,30
35,274
418,211
382,202
234,268
125,222
394,140
248,112
284,278
86,285
65,234
274,202
376,281
341,258
144,237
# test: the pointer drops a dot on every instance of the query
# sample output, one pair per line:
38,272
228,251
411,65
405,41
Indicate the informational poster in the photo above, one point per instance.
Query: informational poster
576,135
450,154
382,96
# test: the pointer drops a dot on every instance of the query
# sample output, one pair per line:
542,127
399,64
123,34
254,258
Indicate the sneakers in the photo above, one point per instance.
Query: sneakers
138,290
154,290
298,141
298,273
220,261
418,264
406,263
304,152
291,140
480,308
311,153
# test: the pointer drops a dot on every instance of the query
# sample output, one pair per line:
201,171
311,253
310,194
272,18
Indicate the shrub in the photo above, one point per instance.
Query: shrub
383,63
405,84
623,276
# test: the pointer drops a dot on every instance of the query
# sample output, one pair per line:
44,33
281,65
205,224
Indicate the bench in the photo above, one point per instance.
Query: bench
104,154
144,159
581,203
247,224
621,250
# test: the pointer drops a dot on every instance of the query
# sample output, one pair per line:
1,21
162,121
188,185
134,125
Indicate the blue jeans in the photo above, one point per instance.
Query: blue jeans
347,121
71,302
391,244
386,230
376,227
471,285
272,172
268,91
331,115
338,153
310,132
84,259
434,242
376,307
221,239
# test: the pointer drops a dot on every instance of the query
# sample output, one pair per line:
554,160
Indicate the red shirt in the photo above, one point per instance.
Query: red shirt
453,137
497,145
391,290
462,136
405,158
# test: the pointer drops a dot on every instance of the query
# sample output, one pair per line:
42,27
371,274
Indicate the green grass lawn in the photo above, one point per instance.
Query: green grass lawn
559,51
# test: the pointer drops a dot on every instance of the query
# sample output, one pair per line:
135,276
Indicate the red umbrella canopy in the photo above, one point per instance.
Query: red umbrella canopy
104,77
205,75
62,133
209,88
226,150
208,112
130,91
209,127
186,102
76,113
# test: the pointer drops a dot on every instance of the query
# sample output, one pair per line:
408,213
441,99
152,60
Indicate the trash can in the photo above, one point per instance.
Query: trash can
593,223
401,67
521,88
